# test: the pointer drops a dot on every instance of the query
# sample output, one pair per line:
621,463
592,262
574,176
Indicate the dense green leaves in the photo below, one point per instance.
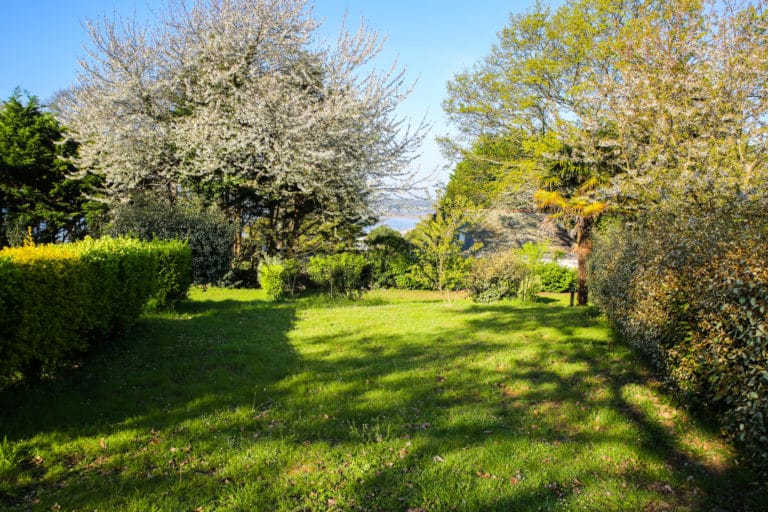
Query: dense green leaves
689,288
36,190
206,230
56,300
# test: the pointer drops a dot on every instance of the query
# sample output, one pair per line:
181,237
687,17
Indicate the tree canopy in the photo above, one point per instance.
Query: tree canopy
36,191
239,102
622,105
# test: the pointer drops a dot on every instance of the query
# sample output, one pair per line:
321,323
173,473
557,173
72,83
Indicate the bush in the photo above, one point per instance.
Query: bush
556,278
390,257
278,277
210,237
496,277
529,287
174,273
689,288
58,299
340,274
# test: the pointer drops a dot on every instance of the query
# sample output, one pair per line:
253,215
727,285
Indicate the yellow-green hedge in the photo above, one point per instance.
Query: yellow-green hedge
58,299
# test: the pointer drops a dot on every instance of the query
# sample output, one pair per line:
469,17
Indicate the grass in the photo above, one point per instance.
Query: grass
395,402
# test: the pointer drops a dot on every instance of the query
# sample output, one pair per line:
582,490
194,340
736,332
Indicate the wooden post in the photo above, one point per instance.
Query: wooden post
573,292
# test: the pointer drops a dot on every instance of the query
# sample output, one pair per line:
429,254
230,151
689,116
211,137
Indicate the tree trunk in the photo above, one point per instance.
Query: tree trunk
583,249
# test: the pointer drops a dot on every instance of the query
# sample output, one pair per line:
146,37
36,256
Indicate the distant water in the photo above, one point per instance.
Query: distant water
401,223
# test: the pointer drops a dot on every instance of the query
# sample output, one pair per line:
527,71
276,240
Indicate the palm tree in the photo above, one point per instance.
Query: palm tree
569,191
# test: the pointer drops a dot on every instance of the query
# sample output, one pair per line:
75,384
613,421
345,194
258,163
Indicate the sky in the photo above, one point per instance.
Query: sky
41,42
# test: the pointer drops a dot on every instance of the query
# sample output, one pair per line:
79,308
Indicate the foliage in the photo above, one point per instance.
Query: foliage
240,103
341,274
556,278
484,173
624,106
689,288
174,273
209,235
530,286
278,277
441,262
36,189
58,299
496,276
390,256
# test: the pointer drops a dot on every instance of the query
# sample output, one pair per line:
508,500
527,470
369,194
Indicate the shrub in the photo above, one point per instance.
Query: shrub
530,286
556,278
174,273
210,237
689,288
278,277
496,277
390,257
58,299
339,273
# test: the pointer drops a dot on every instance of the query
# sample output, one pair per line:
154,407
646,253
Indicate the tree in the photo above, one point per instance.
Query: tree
235,101
36,191
442,263
529,91
483,175
686,103
623,105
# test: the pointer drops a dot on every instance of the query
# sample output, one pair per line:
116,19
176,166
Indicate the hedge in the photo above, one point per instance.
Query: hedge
690,290
58,299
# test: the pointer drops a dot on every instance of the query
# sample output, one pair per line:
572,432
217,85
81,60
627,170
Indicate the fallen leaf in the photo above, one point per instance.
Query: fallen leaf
438,458
514,480
103,443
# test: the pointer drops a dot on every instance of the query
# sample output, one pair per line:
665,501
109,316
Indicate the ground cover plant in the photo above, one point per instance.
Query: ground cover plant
396,401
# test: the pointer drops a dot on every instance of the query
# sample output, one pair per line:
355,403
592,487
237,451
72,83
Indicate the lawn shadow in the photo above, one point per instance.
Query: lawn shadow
210,355
416,404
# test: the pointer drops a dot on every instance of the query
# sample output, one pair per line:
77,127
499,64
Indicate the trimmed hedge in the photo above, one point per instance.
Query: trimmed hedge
58,299
690,290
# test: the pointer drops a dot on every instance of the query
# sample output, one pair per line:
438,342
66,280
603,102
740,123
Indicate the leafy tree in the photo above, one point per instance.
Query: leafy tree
442,264
237,102
207,232
36,190
487,171
530,89
625,105
390,255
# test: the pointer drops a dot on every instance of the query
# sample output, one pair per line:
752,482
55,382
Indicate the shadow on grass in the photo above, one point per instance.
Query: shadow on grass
216,350
277,417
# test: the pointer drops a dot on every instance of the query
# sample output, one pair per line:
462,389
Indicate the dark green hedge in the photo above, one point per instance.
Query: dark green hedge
690,290
59,299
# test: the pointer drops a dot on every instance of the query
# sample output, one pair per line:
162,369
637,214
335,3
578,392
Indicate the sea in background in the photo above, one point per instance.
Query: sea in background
401,223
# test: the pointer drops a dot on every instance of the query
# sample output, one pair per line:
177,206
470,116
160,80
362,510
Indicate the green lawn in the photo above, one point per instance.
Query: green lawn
396,402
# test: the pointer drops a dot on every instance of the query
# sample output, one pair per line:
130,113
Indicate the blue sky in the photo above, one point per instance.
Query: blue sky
41,41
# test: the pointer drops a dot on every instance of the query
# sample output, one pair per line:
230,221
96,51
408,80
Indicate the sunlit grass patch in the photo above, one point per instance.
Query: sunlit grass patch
395,402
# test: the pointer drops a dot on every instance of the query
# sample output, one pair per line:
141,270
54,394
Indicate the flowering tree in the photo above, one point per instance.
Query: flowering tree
237,101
